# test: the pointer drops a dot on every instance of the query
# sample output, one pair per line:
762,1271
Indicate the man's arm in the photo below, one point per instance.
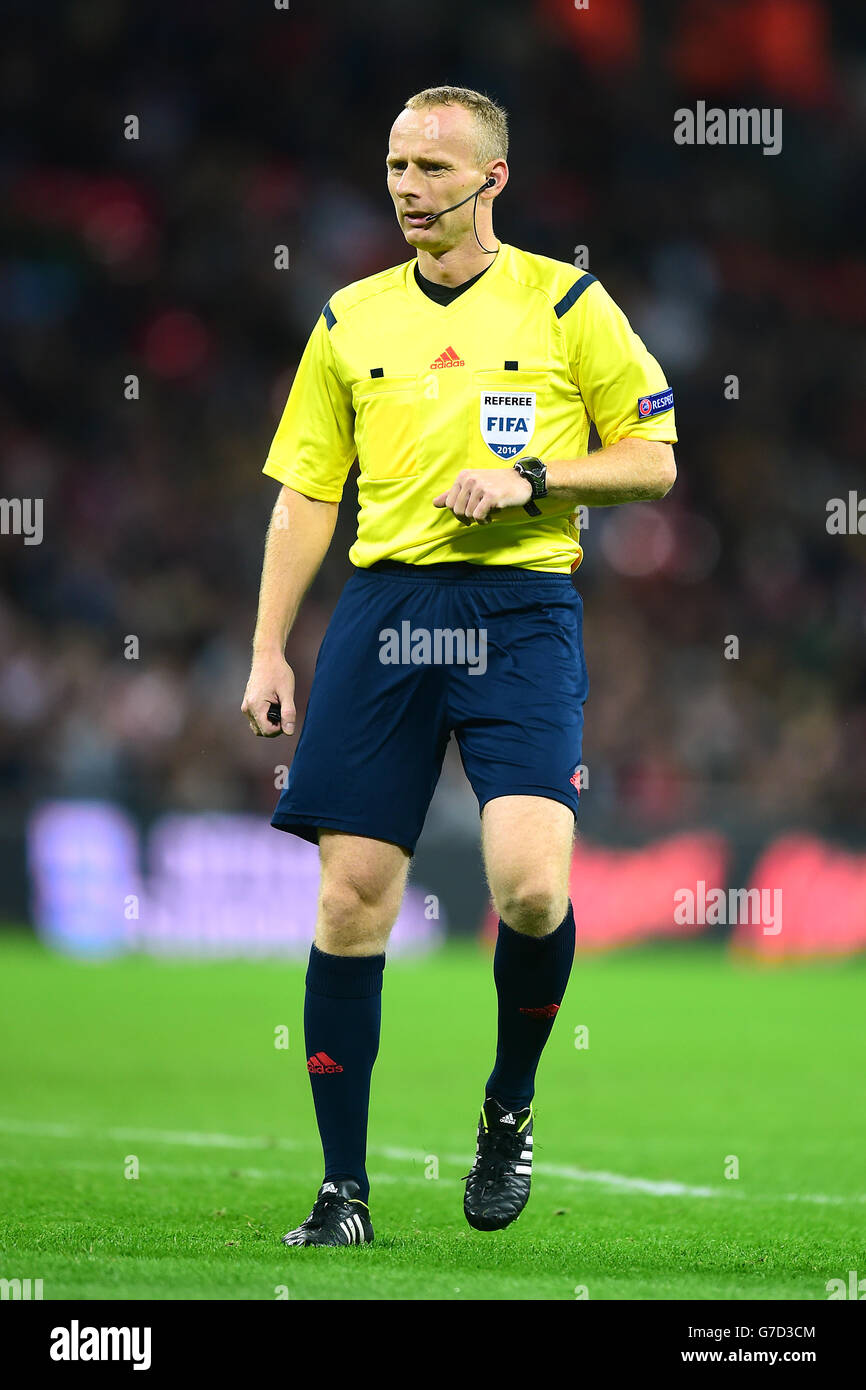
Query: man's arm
298,538
632,470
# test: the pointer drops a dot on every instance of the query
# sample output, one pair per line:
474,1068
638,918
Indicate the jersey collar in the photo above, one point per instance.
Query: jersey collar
422,301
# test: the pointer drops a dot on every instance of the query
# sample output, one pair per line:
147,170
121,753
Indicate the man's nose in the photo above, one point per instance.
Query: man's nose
407,185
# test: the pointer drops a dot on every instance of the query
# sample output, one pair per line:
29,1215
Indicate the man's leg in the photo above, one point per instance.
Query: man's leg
527,844
361,890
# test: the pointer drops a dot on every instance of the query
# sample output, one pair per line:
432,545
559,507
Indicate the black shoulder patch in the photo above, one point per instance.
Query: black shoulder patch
573,295
329,316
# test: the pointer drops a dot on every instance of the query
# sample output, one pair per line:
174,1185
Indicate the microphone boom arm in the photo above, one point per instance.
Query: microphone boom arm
432,216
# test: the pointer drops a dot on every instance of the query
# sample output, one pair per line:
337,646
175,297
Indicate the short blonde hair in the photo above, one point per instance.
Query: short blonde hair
491,119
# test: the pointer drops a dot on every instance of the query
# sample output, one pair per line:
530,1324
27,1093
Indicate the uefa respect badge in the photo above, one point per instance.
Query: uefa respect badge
507,421
655,404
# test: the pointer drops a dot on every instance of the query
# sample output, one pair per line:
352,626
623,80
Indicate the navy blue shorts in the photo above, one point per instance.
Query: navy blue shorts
414,654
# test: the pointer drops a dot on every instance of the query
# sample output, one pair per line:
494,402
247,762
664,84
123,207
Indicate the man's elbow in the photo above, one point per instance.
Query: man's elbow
666,472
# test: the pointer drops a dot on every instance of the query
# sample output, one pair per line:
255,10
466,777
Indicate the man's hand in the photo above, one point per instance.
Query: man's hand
272,681
476,492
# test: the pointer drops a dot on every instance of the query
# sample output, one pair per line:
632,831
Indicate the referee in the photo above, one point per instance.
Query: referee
464,381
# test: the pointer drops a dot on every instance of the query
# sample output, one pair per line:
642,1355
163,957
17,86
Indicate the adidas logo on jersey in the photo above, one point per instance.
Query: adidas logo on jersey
320,1064
448,358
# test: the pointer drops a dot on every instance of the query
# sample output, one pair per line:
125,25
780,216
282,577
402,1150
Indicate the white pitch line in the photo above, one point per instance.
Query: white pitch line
650,1187
555,1170
88,1165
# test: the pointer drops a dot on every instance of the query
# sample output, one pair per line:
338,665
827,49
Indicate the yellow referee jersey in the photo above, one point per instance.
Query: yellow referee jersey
519,364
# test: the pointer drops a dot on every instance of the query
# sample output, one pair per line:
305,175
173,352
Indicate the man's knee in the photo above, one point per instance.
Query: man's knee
353,917
360,894
533,905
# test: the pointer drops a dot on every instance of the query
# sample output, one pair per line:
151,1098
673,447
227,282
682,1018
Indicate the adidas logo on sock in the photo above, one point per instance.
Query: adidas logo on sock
320,1064
546,1011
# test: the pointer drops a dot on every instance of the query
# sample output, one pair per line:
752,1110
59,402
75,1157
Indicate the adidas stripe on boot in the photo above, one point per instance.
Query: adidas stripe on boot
339,1217
497,1187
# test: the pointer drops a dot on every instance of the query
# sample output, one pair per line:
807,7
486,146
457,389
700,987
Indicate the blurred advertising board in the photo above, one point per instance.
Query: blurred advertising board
203,885
195,885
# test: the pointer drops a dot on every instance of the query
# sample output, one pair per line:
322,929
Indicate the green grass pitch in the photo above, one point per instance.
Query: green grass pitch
691,1059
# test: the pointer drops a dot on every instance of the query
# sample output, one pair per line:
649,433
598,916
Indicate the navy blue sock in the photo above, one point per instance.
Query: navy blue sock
342,1014
530,974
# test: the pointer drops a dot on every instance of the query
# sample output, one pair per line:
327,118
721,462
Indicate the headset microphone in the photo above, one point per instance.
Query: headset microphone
432,216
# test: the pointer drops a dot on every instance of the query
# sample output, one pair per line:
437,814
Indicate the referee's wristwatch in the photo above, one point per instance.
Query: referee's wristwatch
536,474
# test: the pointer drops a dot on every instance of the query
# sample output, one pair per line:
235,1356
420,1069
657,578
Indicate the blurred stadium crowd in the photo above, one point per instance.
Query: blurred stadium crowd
154,257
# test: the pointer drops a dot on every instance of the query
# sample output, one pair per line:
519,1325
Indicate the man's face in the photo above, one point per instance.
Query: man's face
432,163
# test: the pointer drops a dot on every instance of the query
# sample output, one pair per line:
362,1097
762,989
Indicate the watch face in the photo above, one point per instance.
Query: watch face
535,470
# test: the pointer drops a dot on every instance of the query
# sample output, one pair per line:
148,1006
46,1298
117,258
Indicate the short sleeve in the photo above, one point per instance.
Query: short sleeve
314,446
622,385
